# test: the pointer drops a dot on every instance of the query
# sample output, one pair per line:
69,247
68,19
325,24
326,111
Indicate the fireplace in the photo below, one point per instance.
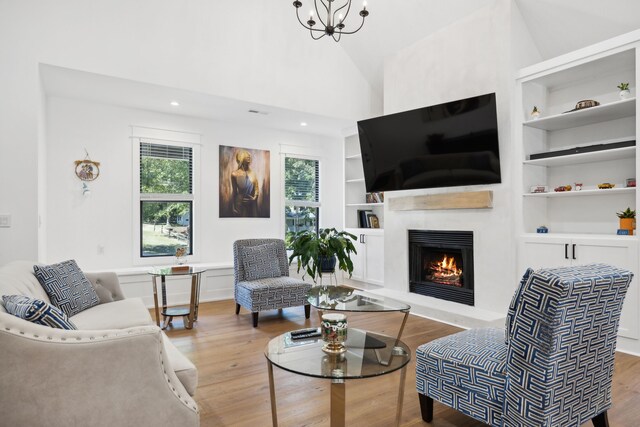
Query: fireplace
441,264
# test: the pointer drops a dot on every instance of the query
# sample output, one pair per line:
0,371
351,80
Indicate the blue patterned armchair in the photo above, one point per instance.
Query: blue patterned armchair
261,278
552,367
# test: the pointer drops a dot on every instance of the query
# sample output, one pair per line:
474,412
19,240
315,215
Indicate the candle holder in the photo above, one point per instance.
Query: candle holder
334,332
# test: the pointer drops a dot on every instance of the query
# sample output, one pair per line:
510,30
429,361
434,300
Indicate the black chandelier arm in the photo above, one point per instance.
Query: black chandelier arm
306,26
339,9
334,37
317,38
315,3
355,31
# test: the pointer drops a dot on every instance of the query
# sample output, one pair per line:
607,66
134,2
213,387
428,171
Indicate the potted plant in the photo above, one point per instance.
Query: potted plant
318,253
624,90
627,220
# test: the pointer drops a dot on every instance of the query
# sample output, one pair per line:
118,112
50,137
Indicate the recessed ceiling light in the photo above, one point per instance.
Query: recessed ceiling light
175,103
303,123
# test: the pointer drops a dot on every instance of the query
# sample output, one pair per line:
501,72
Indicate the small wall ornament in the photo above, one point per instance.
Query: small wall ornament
87,169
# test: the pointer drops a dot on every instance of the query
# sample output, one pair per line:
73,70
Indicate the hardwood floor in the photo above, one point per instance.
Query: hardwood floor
233,385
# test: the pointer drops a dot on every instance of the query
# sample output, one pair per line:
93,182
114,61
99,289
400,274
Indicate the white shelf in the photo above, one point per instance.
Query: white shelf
349,181
583,193
364,204
543,236
594,156
601,113
354,156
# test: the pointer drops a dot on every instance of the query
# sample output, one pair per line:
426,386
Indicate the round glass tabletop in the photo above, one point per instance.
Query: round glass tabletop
344,298
368,355
176,271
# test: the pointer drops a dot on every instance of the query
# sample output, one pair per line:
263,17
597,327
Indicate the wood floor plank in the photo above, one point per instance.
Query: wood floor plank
233,387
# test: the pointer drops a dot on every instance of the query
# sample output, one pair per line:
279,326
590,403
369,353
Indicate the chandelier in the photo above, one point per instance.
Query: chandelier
333,26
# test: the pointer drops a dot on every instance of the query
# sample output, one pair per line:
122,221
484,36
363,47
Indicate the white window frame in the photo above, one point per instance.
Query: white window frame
300,203
179,139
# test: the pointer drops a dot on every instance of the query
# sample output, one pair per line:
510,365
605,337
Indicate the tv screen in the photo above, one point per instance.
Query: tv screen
443,145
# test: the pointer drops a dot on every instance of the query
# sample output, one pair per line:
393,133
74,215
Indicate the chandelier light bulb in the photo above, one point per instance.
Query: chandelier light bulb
310,14
364,4
340,18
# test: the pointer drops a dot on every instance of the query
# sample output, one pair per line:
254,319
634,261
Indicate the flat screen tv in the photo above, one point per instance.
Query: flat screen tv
442,145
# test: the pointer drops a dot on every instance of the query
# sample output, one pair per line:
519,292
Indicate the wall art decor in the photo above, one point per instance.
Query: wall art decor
245,179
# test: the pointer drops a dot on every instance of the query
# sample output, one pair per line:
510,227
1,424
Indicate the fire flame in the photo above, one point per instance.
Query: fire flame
445,271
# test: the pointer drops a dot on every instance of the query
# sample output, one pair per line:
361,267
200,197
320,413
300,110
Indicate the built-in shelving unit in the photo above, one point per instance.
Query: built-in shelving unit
355,191
368,263
582,224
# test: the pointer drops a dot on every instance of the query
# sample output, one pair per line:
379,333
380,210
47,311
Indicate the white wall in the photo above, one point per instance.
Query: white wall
77,225
252,50
470,57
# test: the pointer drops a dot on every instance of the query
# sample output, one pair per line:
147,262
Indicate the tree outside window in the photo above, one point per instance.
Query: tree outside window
302,195
166,199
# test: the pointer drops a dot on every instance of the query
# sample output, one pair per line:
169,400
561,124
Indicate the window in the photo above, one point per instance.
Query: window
166,199
302,195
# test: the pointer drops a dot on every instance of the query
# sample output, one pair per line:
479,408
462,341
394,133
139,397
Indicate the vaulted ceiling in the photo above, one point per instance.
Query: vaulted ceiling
556,26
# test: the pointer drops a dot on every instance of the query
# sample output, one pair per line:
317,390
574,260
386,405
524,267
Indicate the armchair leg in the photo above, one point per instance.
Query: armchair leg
307,311
255,319
237,308
426,407
600,420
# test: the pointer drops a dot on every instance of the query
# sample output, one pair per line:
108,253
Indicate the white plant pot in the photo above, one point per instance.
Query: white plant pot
624,94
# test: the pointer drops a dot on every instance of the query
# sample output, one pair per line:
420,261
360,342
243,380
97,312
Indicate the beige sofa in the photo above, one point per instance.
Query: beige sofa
117,369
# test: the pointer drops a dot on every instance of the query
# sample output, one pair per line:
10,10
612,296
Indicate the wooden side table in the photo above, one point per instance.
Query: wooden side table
190,313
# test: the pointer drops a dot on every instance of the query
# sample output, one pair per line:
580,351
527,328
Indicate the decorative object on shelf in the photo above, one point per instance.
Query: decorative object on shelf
333,25
363,221
583,149
627,220
539,189
606,186
585,103
624,90
578,186
87,170
535,113
631,182
377,197
623,232
373,221
334,332
542,230
309,249
181,253
562,188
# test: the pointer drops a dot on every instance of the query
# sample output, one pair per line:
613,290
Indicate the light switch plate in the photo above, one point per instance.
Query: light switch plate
5,220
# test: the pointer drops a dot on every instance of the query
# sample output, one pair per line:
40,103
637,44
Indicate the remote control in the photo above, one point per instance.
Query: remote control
305,336
303,331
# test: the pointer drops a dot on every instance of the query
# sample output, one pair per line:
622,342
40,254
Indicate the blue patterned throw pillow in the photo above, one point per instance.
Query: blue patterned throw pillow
261,262
67,287
36,311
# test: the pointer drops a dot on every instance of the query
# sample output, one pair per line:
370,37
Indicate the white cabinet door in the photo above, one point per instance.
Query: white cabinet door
620,254
359,258
374,259
543,253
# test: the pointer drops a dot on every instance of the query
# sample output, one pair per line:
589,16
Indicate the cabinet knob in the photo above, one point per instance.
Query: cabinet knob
573,249
566,251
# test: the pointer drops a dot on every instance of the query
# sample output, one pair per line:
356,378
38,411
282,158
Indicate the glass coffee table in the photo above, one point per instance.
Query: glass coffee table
347,299
190,313
305,357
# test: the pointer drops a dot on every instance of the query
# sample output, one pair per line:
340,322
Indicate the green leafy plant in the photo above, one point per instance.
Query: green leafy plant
309,249
623,86
627,213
